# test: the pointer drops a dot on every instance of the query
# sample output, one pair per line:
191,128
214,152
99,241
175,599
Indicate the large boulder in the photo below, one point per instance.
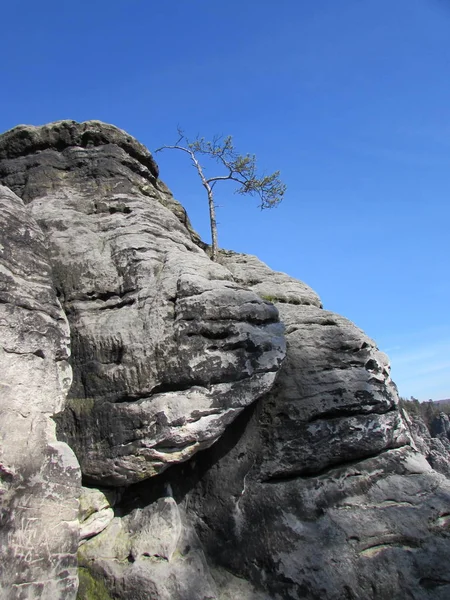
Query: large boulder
318,491
166,348
334,400
435,449
39,476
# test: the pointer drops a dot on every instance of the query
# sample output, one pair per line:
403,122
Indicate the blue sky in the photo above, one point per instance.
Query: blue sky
349,99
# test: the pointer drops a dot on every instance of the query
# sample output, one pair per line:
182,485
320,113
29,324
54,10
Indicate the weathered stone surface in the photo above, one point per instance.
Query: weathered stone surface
28,139
375,528
313,484
271,285
435,449
166,348
318,492
149,554
334,400
440,426
230,587
95,512
39,476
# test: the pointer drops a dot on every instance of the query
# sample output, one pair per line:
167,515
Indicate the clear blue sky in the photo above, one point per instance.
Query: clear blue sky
350,99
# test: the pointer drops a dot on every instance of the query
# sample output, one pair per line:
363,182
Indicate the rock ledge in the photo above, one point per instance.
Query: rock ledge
27,139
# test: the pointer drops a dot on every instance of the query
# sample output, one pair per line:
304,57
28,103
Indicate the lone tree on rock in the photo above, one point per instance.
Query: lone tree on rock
236,167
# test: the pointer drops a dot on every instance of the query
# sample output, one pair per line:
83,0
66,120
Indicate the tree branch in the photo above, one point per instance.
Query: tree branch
175,147
241,169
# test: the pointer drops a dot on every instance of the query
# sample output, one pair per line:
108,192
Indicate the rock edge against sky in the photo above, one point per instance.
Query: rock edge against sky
234,439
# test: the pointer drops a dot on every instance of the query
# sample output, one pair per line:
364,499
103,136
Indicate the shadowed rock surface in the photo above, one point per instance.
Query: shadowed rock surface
440,426
319,491
292,472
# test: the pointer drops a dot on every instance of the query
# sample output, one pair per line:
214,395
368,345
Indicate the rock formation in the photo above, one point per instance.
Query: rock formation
434,445
39,476
440,426
292,472
166,348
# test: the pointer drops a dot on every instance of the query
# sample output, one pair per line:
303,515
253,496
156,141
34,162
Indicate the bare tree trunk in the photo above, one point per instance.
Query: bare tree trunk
209,189
213,222
241,170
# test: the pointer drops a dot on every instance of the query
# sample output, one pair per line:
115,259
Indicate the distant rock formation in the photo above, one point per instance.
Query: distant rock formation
166,348
440,426
293,474
434,444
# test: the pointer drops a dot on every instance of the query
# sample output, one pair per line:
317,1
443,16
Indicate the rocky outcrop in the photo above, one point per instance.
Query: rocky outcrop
149,549
95,512
318,491
292,472
436,449
440,426
166,348
334,400
39,476
345,505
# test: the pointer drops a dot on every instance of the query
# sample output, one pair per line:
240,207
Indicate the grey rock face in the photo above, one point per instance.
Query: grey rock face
318,492
39,476
27,139
435,449
278,287
313,485
166,348
334,400
440,426
95,512
148,554
376,529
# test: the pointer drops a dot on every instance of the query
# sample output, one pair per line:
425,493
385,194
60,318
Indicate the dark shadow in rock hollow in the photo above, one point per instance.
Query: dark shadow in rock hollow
184,477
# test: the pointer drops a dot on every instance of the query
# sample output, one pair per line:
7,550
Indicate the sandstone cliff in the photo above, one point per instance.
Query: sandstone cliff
235,440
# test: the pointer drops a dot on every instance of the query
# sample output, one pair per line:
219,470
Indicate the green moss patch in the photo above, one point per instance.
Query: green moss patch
91,588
